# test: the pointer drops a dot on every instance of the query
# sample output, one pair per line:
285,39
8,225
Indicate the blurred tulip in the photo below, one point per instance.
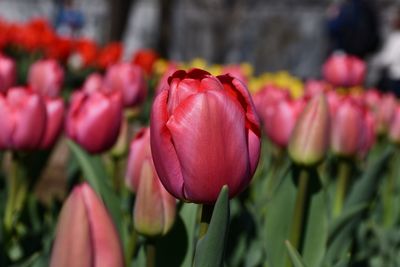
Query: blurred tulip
8,73
46,77
368,134
315,87
129,80
93,83
205,134
372,97
235,71
347,128
265,99
344,70
22,119
109,55
280,121
94,120
145,58
394,132
85,233
385,112
155,208
310,138
55,111
163,81
334,100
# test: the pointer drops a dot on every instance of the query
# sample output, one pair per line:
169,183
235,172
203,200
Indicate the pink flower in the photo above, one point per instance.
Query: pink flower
93,83
205,134
8,73
22,119
46,77
94,121
85,234
129,80
55,110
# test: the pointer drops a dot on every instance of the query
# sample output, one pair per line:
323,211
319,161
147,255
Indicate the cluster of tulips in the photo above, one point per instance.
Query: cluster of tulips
174,164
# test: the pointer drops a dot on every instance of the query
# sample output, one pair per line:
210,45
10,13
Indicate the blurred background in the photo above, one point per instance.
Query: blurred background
294,35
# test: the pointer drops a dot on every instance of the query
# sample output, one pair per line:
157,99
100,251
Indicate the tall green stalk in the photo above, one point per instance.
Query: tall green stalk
343,180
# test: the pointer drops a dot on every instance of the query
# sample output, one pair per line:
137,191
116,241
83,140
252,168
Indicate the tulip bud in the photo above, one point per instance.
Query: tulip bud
46,77
368,135
344,70
85,233
129,80
267,97
8,73
212,118
55,110
22,119
280,121
315,87
93,83
394,132
94,121
347,128
310,138
385,112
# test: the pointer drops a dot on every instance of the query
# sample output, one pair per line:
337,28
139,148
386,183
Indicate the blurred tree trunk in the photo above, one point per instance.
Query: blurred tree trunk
119,12
165,26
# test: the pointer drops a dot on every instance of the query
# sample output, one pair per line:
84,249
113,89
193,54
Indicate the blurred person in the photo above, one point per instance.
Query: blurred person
387,61
353,27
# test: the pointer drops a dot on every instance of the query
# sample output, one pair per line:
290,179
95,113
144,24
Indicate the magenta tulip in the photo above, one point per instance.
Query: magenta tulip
315,87
347,128
368,135
129,80
94,120
344,70
155,208
93,83
8,73
85,233
55,110
267,97
385,112
46,77
22,119
205,134
280,121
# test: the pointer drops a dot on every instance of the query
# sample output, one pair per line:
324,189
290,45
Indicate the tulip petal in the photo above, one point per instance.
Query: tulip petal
208,132
72,246
164,156
105,242
7,124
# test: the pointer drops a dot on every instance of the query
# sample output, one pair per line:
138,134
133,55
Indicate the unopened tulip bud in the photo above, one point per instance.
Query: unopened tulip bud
310,138
46,77
344,70
22,119
129,80
8,73
394,132
94,120
93,83
86,235
385,112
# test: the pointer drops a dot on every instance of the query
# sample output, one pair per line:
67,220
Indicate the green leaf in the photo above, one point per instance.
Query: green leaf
343,220
95,174
295,257
362,193
188,213
210,249
316,234
278,221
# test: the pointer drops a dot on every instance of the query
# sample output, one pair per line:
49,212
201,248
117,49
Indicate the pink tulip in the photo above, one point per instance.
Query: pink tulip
55,111
265,99
385,112
394,132
205,134
129,80
163,81
344,70
46,77
8,73
368,135
309,141
372,97
235,71
347,128
155,208
93,83
22,119
94,121
85,233
280,122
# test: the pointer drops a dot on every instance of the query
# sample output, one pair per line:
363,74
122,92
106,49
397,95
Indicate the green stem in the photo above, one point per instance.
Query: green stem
16,193
206,213
344,174
116,179
130,252
388,195
297,222
150,254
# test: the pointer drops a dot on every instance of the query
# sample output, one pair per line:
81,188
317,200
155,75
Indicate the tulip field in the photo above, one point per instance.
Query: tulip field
180,164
